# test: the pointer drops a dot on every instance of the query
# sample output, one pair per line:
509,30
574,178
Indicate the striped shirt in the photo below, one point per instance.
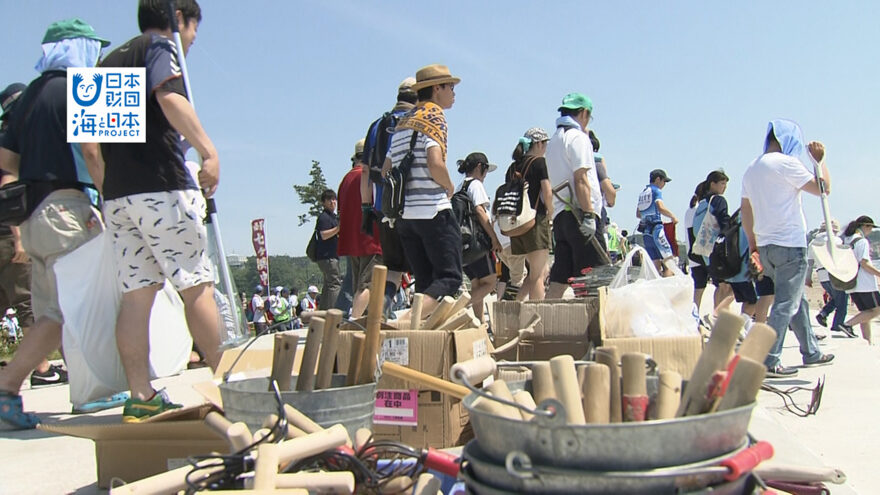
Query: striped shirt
424,197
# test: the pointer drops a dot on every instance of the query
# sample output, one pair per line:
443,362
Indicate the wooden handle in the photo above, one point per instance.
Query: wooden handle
329,345
714,357
463,301
473,370
397,486
361,437
300,420
427,484
237,434
323,482
266,468
298,448
748,375
354,361
499,389
440,313
542,382
758,342
800,474
635,389
457,320
367,371
218,423
609,356
306,380
525,399
597,394
415,314
668,394
168,482
283,356
428,381
566,385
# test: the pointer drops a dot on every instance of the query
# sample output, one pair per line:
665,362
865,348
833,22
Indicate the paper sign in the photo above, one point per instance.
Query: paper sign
396,350
480,348
397,407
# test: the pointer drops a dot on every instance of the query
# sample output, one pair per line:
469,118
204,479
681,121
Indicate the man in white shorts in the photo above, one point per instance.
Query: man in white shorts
154,208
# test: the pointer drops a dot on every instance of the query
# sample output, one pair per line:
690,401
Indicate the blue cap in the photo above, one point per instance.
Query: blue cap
258,288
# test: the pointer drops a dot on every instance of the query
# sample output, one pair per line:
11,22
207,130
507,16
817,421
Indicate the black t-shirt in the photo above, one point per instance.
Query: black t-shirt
38,132
4,230
326,249
157,164
537,171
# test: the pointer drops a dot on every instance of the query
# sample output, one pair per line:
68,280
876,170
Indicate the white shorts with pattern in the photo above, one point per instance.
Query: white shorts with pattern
159,235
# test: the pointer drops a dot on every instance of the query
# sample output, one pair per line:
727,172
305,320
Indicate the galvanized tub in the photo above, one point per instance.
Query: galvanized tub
549,441
249,401
514,476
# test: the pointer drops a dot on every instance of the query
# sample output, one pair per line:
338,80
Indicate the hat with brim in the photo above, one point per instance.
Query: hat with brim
659,173
576,101
866,221
8,98
72,28
433,75
358,149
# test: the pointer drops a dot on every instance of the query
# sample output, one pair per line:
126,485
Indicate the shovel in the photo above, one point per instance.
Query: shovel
840,261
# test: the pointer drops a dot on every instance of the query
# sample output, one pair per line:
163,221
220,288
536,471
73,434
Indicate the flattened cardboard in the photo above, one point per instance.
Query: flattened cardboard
135,451
567,326
441,419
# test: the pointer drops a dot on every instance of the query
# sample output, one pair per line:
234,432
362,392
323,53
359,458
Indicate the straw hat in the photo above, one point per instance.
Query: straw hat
433,75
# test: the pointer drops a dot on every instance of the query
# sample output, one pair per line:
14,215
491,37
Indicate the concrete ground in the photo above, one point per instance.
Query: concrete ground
839,436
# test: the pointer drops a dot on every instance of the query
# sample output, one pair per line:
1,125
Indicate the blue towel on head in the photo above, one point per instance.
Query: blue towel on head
789,136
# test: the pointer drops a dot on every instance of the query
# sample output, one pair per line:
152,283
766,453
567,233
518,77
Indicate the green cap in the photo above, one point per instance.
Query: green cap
576,101
71,28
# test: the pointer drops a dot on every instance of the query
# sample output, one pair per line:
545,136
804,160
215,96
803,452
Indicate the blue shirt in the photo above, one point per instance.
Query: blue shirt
648,204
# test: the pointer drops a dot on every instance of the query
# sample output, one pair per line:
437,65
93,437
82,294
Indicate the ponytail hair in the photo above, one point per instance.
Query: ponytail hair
852,227
522,147
697,194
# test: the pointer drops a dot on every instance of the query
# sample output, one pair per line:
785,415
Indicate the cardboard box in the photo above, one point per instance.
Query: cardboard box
671,353
567,326
135,451
441,419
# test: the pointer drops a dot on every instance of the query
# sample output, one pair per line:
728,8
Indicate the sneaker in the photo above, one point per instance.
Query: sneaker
846,329
12,413
115,400
780,371
821,361
55,375
822,319
136,410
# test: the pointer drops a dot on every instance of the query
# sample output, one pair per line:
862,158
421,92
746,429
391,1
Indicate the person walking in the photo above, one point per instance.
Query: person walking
326,251
429,232
258,308
281,309
865,294
649,210
35,150
482,271
570,160
838,300
530,165
774,223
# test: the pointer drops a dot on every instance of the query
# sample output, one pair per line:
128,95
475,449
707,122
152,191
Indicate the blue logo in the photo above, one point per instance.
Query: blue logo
90,91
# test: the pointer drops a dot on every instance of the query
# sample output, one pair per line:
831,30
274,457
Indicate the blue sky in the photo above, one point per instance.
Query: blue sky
684,86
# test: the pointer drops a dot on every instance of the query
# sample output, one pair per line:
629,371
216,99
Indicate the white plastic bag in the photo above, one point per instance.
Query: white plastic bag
89,298
707,232
649,305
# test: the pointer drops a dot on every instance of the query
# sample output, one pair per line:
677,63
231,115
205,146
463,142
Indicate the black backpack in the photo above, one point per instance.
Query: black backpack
727,258
475,242
394,189
383,129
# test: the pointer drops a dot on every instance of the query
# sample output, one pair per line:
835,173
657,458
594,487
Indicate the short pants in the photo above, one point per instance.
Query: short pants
160,235
865,300
655,242
481,268
748,292
362,270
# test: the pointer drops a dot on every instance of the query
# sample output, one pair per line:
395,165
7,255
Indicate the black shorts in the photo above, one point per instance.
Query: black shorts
572,254
865,300
483,267
744,292
700,275
393,254
765,287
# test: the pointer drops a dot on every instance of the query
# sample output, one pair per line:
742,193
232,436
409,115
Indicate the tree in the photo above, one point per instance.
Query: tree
286,271
310,194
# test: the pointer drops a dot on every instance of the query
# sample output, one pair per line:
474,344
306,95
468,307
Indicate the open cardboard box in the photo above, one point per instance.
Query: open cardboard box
131,452
441,419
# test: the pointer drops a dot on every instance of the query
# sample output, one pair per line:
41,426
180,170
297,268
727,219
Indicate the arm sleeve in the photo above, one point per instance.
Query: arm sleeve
477,193
601,171
719,209
796,173
429,143
163,70
324,223
579,152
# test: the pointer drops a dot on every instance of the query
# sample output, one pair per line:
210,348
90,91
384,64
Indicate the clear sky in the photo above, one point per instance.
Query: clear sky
684,86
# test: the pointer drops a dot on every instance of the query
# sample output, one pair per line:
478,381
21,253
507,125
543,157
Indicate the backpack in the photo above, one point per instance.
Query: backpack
380,136
393,191
727,258
312,246
512,207
475,242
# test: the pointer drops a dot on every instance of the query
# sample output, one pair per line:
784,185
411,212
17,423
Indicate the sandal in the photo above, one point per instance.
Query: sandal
12,412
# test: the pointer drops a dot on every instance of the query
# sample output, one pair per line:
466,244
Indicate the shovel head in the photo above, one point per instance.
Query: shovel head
840,261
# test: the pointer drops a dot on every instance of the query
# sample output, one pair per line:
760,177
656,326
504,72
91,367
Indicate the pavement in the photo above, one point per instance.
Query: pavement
840,435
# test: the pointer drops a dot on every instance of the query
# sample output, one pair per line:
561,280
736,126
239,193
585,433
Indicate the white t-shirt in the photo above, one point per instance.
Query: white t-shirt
566,153
477,192
772,184
865,282
424,197
308,303
293,300
821,272
259,309
689,223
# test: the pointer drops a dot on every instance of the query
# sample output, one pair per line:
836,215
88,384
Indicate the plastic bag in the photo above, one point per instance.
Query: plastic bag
649,305
89,298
